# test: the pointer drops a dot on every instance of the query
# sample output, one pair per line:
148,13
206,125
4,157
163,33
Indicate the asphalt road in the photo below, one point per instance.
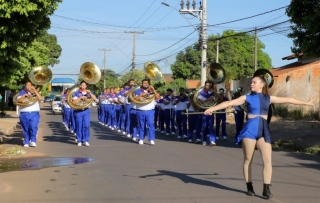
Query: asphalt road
171,171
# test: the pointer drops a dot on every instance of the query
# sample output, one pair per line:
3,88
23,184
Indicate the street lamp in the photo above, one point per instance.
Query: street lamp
201,14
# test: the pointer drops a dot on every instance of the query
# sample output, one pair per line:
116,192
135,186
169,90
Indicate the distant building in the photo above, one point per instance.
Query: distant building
58,84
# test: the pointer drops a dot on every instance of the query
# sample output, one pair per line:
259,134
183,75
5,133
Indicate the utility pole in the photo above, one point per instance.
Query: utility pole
104,65
255,49
217,54
134,48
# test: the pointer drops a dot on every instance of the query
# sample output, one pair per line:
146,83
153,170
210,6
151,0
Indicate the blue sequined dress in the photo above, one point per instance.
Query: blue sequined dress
257,127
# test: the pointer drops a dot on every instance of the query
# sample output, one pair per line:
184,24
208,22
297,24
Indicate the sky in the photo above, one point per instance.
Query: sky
85,28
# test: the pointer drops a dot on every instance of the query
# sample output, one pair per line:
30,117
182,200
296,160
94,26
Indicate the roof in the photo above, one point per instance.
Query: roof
292,56
290,67
63,80
193,84
168,77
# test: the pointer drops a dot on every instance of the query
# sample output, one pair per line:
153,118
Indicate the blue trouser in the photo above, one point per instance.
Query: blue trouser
133,123
83,125
146,119
99,112
207,124
169,115
181,120
109,111
67,116
117,109
29,123
103,113
156,116
239,119
221,119
127,116
161,120
192,119
122,118
73,121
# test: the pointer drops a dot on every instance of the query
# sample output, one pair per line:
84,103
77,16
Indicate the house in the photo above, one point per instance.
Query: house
168,78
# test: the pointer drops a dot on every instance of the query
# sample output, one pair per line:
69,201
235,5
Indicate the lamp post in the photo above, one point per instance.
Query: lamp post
201,14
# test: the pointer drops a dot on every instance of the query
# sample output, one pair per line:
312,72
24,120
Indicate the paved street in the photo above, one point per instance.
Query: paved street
171,171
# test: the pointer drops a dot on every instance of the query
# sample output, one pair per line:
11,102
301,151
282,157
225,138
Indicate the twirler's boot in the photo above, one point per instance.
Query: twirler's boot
266,191
250,191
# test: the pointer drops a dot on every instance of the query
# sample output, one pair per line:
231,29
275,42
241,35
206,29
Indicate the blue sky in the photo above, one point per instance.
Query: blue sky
85,27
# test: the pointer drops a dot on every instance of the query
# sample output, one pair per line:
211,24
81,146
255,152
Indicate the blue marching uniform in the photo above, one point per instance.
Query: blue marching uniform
207,121
169,114
145,118
221,120
82,118
29,120
181,118
68,113
257,127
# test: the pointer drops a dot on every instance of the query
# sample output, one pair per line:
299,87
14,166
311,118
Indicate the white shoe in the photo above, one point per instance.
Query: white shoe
119,131
190,140
76,140
184,137
198,140
79,144
86,144
33,144
134,139
173,133
213,143
112,128
141,142
26,145
217,138
162,132
72,131
224,137
179,137
124,132
204,143
167,133
128,135
152,142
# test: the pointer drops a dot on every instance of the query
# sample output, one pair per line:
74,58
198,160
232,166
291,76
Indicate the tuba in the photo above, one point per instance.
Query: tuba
38,76
216,74
269,78
91,74
153,72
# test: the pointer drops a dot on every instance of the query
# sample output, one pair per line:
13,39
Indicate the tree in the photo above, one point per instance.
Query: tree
137,75
21,22
305,14
236,55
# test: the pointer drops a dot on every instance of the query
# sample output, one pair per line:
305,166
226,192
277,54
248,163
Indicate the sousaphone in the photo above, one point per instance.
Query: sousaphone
38,76
216,74
153,72
91,74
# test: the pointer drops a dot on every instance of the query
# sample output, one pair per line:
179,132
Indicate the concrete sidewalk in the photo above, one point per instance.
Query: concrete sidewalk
8,123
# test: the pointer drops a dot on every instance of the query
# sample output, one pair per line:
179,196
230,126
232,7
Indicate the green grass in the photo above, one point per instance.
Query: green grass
295,114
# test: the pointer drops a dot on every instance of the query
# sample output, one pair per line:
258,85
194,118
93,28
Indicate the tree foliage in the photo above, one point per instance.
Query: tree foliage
305,14
137,75
236,55
21,22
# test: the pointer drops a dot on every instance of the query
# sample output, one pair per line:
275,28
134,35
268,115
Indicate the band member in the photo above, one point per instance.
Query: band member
194,121
112,111
83,116
181,103
145,112
122,117
239,115
67,110
29,115
206,95
131,118
169,112
222,117
256,131
104,106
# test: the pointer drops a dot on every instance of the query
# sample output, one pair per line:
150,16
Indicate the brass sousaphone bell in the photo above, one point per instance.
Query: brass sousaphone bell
38,76
216,74
153,72
91,74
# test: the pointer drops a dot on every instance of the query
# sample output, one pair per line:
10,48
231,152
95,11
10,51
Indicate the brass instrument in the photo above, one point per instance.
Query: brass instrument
91,74
215,74
153,72
38,76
